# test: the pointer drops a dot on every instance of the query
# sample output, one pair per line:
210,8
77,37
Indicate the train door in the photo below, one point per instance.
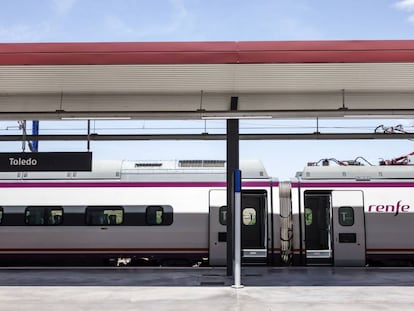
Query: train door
253,227
348,228
317,220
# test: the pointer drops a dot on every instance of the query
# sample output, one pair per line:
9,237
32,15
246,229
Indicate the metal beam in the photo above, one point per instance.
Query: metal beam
232,139
134,137
337,112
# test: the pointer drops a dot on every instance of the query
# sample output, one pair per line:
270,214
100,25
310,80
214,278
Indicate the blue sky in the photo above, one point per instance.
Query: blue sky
214,20
189,20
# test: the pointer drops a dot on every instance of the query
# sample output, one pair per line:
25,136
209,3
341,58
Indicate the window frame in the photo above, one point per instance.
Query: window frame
253,216
167,215
93,209
342,222
148,215
222,218
45,217
308,216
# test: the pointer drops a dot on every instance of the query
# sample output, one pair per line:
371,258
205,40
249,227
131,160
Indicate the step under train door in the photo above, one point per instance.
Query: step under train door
348,228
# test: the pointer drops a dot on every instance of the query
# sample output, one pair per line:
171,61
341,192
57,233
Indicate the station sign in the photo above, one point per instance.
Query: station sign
46,161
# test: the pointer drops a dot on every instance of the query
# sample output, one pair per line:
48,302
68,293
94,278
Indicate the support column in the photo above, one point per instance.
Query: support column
35,132
232,165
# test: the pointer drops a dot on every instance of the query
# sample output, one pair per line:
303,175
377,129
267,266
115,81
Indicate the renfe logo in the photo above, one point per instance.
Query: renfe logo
399,207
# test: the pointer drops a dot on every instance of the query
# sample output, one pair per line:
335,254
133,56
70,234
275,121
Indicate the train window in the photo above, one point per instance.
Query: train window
159,215
223,215
55,216
154,215
249,216
308,216
1,215
346,216
43,215
108,216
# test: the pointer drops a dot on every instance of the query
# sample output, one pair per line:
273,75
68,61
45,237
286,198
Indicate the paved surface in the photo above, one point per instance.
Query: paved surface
207,289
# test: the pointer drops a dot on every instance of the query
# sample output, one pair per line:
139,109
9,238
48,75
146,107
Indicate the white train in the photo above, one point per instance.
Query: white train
169,212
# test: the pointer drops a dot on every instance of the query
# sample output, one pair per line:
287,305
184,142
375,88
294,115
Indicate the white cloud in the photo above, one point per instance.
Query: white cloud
292,28
179,18
178,23
25,33
411,19
63,7
118,25
406,5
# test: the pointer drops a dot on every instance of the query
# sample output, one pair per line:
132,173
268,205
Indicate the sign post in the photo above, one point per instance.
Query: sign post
237,229
35,132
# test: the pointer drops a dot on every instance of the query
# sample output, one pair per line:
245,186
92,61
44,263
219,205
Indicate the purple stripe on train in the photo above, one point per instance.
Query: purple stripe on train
127,184
354,184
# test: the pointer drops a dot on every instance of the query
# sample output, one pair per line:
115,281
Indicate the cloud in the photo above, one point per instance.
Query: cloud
25,33
63,7
292,28
180,16
176,25
408,6
117,25
33,30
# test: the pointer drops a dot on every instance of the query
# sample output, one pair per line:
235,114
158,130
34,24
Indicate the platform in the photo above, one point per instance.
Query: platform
317,288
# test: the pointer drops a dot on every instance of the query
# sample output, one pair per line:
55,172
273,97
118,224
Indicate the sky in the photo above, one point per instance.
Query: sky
213,20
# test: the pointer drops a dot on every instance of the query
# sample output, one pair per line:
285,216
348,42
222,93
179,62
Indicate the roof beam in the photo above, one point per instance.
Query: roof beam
194,80
206,136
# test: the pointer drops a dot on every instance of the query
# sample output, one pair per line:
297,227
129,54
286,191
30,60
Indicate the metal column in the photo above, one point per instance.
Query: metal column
232,165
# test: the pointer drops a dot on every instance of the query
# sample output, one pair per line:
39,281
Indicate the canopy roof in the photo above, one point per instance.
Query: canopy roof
192,80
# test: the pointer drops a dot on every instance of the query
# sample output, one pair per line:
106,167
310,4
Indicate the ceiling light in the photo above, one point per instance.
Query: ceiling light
96,118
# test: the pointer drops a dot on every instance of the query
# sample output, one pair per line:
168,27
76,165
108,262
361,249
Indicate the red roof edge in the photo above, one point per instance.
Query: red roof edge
231,52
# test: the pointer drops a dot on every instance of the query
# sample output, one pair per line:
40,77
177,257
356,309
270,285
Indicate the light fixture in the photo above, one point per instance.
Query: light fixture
96,118
234,117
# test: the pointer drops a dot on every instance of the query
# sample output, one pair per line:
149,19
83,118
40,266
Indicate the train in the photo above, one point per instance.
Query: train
174,213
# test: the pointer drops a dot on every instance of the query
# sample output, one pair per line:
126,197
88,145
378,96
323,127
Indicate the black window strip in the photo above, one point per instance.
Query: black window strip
78,219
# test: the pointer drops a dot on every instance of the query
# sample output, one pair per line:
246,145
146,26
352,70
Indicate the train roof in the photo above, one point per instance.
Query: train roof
357,172
190,170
